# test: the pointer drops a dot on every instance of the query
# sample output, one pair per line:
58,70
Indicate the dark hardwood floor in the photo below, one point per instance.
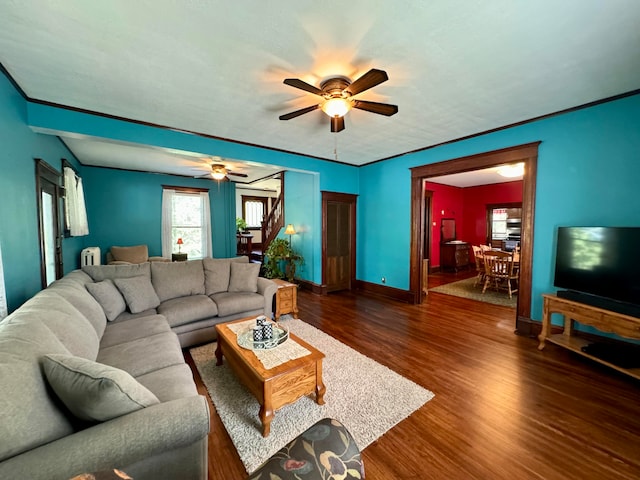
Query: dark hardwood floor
502,409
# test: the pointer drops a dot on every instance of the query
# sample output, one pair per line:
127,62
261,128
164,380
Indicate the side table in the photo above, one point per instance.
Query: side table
178,257
286,298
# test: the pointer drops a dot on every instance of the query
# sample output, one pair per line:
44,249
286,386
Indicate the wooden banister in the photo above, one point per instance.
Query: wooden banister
273,222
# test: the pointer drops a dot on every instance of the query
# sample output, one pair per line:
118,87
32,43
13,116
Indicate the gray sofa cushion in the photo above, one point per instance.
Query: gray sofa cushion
138,293
102,272
109,298
76,294
170,383
124,316
179,311
31,414
231,303
126,331
143,355
92,391
217,272
70,327
177,279
244,277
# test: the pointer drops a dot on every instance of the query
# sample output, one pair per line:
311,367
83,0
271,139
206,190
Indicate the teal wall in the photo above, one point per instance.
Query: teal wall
18,208
588,171
305,179
588,174
126,209
333,176
303,209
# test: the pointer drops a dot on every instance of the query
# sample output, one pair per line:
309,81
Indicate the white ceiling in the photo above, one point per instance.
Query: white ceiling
456,67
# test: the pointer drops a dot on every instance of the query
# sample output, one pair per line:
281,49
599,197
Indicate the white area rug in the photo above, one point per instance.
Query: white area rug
367,397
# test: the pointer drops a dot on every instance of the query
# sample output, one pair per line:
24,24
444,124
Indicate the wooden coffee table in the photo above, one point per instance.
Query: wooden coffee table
278,386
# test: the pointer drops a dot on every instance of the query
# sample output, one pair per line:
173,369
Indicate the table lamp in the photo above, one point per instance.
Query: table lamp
180,243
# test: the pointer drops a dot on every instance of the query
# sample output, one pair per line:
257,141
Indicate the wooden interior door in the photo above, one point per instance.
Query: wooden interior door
338,241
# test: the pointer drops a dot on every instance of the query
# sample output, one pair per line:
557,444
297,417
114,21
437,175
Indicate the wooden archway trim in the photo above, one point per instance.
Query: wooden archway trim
527,154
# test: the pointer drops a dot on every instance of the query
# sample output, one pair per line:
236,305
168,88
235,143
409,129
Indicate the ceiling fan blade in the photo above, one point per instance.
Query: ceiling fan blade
243,175
297,83
337,124
370,79
375,107
297,113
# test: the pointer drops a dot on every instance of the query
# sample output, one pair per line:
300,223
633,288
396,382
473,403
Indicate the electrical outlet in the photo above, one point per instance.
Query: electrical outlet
384,280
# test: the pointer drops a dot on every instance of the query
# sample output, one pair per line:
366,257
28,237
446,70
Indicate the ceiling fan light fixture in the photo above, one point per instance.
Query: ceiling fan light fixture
336,107
218,172
511,171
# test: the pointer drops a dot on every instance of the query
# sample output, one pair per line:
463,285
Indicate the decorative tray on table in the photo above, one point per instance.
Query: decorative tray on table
280,335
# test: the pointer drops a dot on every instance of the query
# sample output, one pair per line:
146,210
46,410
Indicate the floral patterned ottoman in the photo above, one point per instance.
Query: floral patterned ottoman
325,451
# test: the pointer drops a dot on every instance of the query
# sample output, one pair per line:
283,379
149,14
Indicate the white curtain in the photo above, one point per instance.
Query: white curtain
167,222
206,225
75,209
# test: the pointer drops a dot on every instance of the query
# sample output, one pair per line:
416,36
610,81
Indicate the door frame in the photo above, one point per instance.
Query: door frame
428,220
527,154
351,199
45,172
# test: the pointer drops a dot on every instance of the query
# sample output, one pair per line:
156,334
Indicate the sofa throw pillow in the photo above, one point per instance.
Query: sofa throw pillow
244,277
138,293
109,298
93,391
217,272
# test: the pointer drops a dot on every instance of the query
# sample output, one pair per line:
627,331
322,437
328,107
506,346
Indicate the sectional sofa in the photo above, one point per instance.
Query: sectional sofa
92,373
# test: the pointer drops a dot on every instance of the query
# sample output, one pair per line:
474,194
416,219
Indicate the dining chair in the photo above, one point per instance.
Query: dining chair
479,258
500,272
485,248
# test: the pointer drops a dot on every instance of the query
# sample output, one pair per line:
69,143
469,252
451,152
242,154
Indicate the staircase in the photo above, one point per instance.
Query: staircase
273,222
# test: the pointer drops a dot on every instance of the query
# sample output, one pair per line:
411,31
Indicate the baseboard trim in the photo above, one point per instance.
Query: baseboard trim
390,292
398,294
312,287
532,328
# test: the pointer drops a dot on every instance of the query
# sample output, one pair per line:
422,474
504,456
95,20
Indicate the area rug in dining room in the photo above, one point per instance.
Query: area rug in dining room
465,289
366,396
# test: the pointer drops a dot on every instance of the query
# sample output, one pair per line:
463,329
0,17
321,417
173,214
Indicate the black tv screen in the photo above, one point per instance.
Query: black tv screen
602,261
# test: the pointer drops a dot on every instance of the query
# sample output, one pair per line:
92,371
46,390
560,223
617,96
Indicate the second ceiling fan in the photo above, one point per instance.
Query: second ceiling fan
338,93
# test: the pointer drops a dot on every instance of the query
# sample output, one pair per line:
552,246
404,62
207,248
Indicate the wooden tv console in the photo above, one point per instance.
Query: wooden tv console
604,320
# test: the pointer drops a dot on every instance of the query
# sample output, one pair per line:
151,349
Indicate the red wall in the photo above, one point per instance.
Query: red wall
451,201
469,207
476,199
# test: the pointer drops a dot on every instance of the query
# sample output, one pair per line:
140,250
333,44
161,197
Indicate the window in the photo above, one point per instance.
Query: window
253,210
186,215
498,224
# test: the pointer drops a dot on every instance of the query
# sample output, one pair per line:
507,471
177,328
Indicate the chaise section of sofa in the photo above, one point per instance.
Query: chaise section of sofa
82,394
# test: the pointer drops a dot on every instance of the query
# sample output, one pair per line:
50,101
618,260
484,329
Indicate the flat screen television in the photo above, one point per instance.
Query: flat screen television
600,266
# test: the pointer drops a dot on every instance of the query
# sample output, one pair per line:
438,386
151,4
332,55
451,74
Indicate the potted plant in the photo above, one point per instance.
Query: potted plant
241,224
280,261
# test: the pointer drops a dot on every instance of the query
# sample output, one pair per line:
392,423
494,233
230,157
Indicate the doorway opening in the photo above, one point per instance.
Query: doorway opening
49,194
526,154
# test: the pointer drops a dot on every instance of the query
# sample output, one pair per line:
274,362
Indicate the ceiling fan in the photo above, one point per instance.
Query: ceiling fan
338,93
220,172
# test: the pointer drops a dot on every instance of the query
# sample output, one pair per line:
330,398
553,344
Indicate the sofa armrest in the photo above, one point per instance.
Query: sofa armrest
117,443
267,289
